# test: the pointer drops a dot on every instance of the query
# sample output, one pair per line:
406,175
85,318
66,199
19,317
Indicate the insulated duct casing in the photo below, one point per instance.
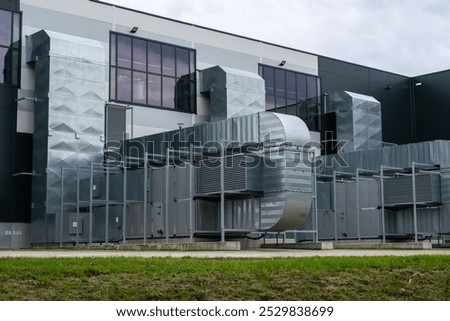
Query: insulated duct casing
232,92
281,182
358,121
69,115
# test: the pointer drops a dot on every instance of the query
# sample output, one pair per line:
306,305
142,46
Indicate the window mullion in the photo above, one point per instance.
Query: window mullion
175,63
132,69
146,72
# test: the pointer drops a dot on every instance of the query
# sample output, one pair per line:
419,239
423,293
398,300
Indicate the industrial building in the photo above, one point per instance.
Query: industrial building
119,125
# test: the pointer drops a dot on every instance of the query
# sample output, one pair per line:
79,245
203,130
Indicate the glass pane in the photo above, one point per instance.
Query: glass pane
168,90
192,64
168,60
123,85
303,112
112,84
268,76
291,110
301,87
15,67
154,57
139,55
16,27
193,95
319,89
183,94
281,110
280,101
290,85
182,62
192,76
312,86
139,87
154,90
270,102
291,102
112,49
3,52
312,111
280,84
124,51
5,28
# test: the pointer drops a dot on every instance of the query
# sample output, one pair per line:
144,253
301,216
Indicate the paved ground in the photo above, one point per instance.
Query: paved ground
260,253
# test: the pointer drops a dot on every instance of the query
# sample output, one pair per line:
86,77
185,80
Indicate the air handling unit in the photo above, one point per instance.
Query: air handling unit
247,171
172,187
399,191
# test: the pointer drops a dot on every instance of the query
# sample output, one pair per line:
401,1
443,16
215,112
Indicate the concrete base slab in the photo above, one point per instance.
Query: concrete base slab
383,246
196,246
300,246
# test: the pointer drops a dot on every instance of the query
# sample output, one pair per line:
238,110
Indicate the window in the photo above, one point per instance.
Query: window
9,47
150,73
292,93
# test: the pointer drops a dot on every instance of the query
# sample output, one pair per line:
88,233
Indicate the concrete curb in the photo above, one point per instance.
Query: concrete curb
384,246
196,246
300,246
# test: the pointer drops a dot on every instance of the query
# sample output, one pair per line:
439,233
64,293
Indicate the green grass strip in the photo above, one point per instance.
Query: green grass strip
319,278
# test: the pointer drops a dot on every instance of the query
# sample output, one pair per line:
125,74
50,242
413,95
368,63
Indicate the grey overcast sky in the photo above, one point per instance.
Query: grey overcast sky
409,37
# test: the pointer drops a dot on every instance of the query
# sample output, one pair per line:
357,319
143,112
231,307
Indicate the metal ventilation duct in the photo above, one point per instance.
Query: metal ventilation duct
69,115
358,120
232,92
284,179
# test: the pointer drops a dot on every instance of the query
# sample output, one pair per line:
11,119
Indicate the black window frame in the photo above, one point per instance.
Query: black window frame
179,96
15,46
304,105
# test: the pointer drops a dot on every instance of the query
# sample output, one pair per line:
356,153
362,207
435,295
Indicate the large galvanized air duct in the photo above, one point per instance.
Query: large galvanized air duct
232,92
285,179
287,186
68,117
358,120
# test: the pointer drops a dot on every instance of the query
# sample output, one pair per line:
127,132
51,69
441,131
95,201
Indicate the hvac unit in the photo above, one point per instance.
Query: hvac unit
241,173
398,191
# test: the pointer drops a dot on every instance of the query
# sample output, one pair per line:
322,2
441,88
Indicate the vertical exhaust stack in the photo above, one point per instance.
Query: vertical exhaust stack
69,118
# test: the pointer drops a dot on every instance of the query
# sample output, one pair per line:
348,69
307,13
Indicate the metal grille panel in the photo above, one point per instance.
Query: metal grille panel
115,123
399,190
235,175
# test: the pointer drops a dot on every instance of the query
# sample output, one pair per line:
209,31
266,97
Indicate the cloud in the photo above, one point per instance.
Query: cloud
409,37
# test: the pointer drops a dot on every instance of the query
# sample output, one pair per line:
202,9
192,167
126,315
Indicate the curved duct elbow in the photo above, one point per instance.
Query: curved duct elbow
286,174
283,211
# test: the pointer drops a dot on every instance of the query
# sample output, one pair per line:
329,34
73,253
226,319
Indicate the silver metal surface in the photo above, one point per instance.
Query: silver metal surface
238,176
400,156
232,92
400,215
69,115
14,235
358,120
400,190
284,175
342,223
267,188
